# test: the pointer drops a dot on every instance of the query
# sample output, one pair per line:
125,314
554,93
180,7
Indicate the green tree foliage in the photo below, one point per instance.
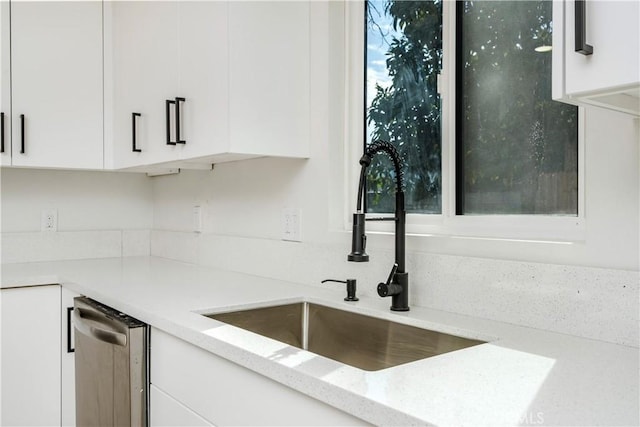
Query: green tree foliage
516,140
407,113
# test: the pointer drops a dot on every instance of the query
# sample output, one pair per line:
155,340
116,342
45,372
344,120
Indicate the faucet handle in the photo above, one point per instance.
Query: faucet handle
389,288
351,288
394,269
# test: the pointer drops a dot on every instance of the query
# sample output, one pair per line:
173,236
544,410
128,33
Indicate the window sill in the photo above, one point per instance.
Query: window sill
527,228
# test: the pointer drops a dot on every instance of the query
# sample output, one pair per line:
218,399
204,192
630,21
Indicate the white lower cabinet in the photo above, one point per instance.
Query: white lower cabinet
37,372
30,356
193,382
68,361
167,411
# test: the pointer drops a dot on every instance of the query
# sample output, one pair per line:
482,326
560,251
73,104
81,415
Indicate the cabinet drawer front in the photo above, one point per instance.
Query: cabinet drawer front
166,411
227,394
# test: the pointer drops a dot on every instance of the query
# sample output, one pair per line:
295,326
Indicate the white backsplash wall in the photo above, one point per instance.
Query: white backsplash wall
100,214
584,301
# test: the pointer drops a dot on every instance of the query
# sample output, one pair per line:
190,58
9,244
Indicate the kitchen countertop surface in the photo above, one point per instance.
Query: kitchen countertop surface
522,376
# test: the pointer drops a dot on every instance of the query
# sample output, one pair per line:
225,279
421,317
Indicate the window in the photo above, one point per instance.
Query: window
516,150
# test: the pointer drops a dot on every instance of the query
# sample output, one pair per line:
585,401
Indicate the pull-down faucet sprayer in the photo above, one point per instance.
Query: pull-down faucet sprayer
397,285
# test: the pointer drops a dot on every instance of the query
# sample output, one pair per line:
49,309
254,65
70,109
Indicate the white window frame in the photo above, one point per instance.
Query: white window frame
509,227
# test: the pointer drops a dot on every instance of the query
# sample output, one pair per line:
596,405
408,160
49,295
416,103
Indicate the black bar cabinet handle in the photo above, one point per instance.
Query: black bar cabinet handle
168,118
581,28
133,133
21,133
69,348
1,132
178,139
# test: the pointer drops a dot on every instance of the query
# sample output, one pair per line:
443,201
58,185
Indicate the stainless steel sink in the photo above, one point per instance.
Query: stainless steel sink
358,340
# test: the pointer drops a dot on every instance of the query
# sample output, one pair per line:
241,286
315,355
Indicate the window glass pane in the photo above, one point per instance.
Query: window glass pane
404,52
517,150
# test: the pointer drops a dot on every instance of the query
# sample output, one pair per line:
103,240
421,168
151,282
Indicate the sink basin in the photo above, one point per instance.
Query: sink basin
358,340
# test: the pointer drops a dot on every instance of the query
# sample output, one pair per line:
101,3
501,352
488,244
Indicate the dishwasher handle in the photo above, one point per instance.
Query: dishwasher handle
100,330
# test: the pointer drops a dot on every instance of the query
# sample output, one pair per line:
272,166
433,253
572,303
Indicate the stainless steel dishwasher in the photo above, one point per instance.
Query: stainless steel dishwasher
111,358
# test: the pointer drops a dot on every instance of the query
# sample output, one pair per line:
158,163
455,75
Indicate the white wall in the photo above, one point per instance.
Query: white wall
245,199
99,214
84,200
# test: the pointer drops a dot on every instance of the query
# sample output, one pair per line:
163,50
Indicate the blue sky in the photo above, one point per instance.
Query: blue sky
378,39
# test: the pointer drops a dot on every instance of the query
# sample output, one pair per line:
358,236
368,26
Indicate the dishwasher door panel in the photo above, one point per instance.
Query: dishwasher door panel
111,372
94,382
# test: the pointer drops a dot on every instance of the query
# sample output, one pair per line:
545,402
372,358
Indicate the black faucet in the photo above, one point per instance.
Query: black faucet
397,285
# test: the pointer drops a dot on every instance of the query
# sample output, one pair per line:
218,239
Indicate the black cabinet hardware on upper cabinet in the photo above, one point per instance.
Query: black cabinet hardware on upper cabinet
168,103
178,139
581,28
21,133
1,132
176,102
133,133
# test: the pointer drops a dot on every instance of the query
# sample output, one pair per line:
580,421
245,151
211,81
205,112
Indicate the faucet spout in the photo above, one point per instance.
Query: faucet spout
400,280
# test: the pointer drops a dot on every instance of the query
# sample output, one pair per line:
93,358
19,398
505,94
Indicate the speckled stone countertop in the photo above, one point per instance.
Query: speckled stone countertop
522,376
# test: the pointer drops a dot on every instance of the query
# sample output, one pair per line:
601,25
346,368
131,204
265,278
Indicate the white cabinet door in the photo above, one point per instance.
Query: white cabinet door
224,393
166,411
145,57
56,83
612,27
30,356
204,76
269,78
610,76
5,84
241,67
68,377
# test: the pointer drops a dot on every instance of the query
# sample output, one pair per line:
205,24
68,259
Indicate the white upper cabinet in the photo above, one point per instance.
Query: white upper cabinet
5,84
144,74
609,76
269,78
238,73
56,84
204,76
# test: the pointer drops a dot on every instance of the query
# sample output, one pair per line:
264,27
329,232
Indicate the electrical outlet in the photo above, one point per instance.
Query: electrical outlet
49,220
291,225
